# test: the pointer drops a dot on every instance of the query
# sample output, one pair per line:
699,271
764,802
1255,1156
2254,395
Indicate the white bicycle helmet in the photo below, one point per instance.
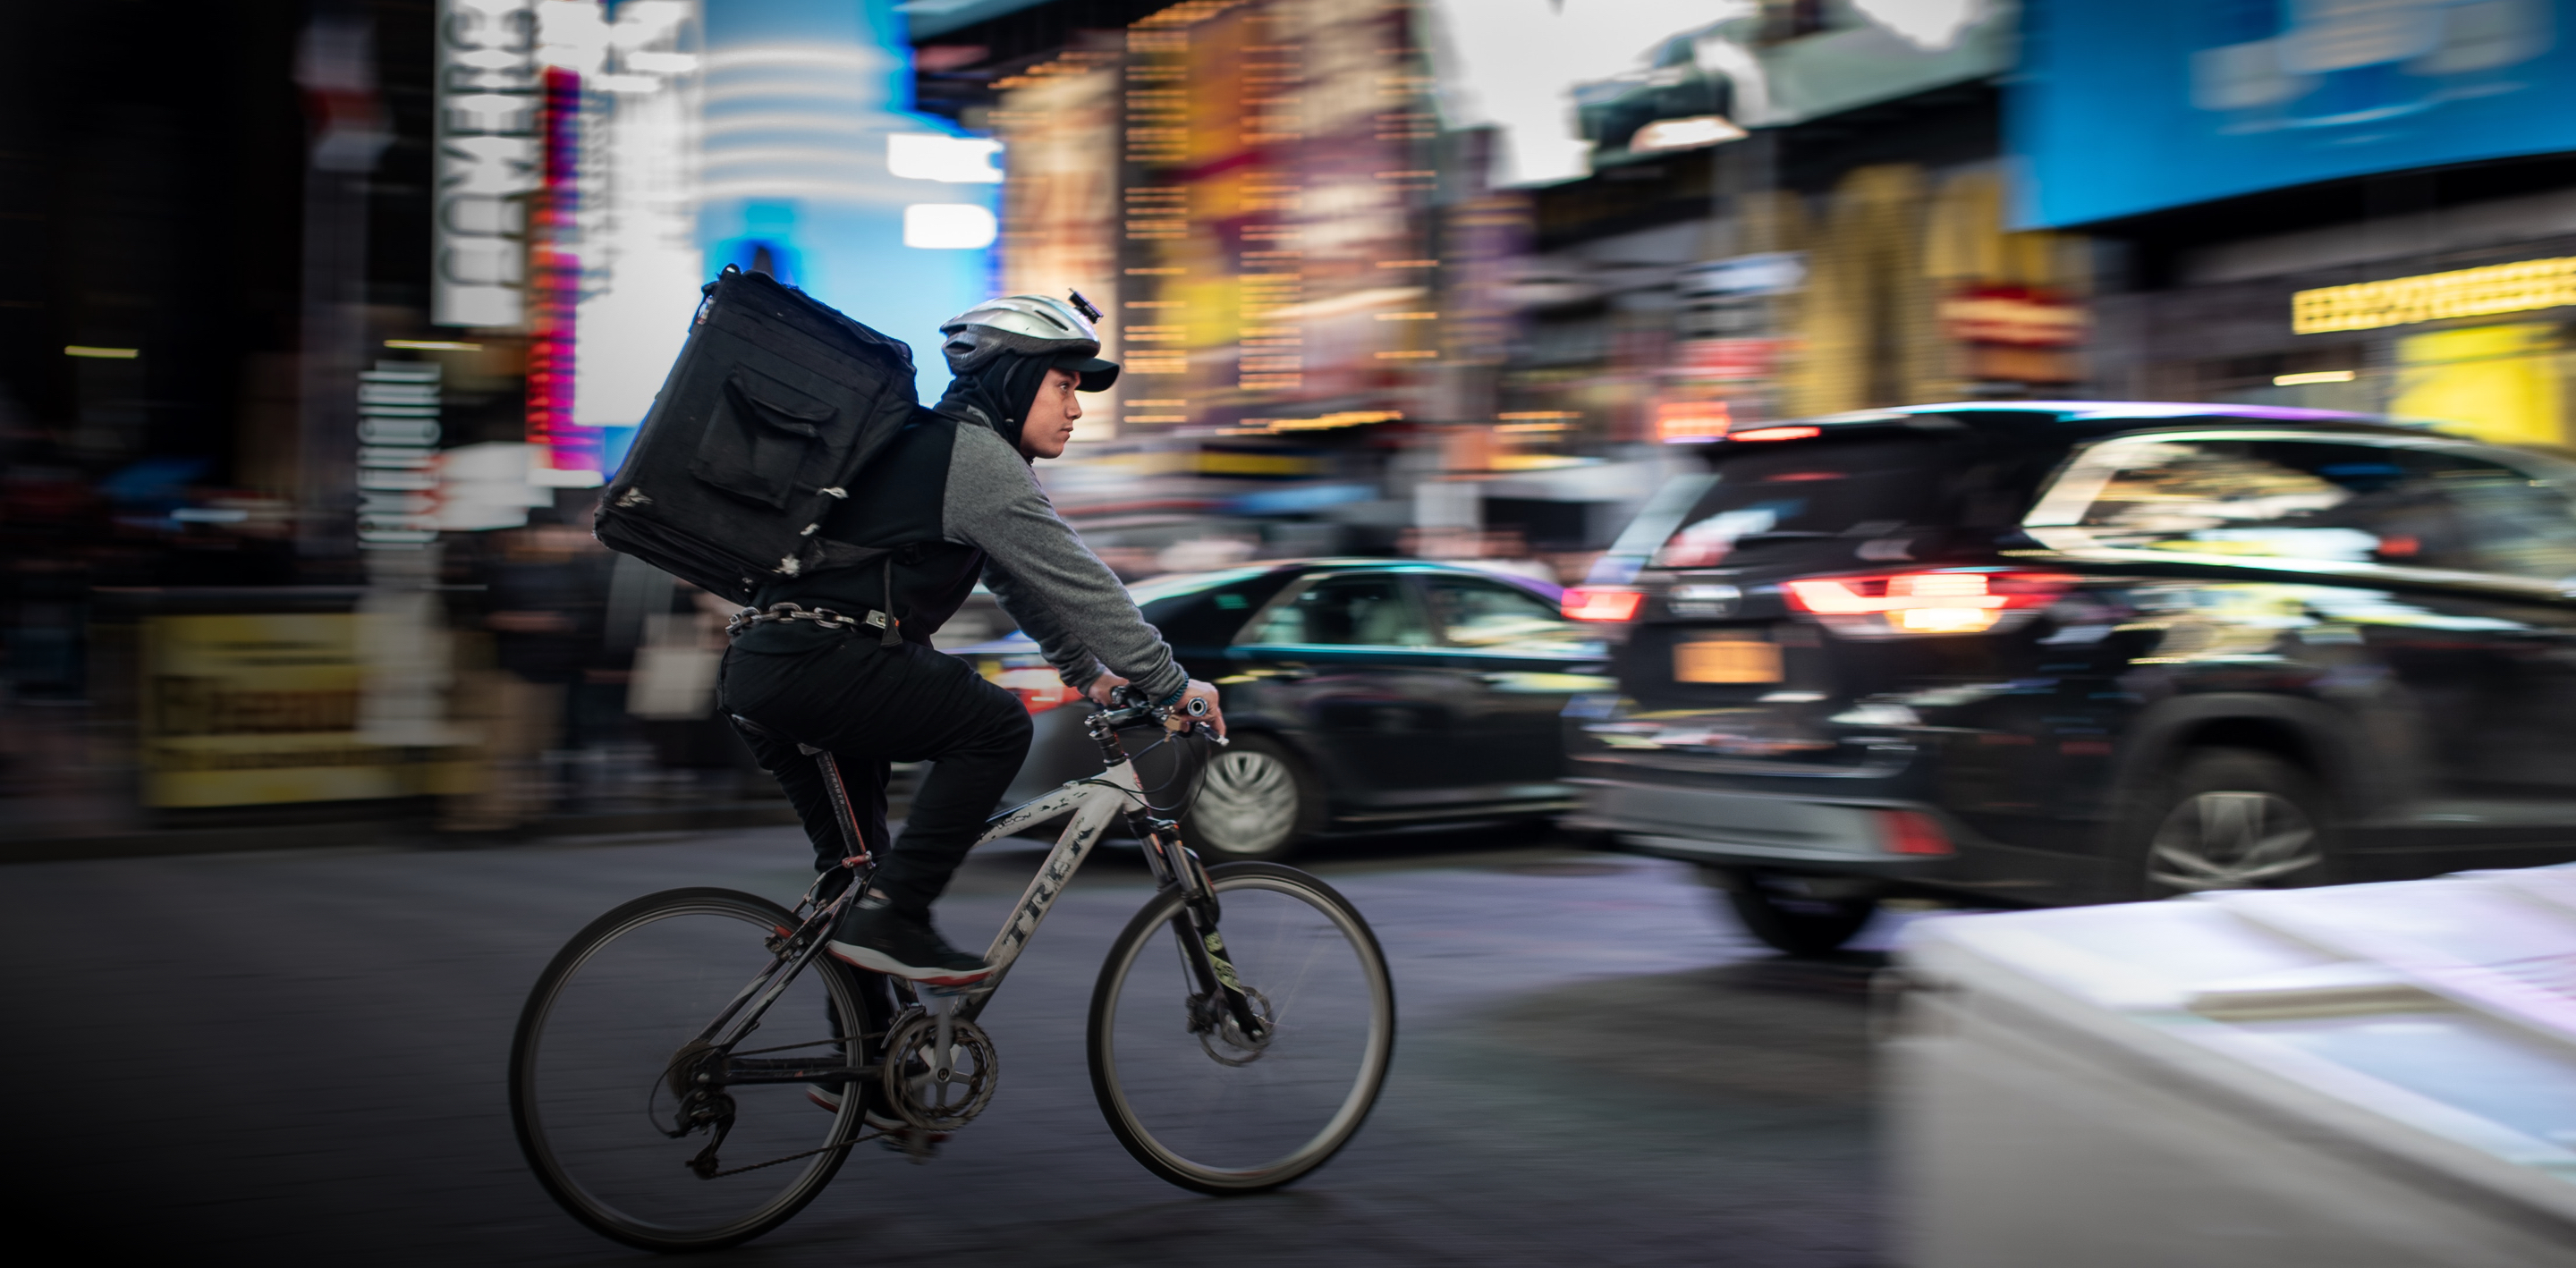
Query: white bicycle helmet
1029,325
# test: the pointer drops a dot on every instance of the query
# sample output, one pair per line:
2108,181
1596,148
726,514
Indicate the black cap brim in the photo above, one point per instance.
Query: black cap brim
1095,373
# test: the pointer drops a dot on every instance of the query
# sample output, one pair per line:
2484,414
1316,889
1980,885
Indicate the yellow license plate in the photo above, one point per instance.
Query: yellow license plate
1726,660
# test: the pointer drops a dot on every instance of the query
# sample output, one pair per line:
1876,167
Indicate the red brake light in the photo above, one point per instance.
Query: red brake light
1913,832
1776,433
1038,689
1601,603
1963,602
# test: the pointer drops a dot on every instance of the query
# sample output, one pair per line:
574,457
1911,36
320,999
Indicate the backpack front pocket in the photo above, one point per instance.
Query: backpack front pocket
761,439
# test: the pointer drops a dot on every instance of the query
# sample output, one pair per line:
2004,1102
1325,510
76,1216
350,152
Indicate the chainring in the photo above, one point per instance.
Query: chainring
923,1098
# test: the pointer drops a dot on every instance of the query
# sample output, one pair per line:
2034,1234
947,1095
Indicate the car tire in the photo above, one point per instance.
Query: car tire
1796,923
2226,818
1256,803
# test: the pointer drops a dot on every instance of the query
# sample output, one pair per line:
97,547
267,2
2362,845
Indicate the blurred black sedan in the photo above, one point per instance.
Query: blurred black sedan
1362,695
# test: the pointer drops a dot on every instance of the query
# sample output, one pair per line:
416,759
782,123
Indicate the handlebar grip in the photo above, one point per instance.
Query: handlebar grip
1196,706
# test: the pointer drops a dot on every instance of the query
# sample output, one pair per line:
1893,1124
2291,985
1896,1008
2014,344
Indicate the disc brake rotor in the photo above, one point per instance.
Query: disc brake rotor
1224,1039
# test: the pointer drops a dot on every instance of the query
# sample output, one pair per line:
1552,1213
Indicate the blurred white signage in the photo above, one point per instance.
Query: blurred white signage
397,455
959,160
1768,273
949,226
487,486
1695,132
641,267
487,159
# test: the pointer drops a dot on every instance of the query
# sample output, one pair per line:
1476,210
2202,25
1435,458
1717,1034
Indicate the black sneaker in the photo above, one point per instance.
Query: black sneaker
876,937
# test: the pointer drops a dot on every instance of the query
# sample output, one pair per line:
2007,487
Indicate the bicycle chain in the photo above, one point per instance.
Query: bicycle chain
855,1140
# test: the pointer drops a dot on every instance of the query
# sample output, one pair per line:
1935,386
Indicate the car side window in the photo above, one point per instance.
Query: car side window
2306,500
1348,611
1493,616
2514,524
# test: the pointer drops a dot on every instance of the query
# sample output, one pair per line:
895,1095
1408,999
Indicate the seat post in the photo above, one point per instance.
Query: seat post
841,808
842,812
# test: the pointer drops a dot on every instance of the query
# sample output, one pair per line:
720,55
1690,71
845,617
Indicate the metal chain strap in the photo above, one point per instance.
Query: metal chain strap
825,617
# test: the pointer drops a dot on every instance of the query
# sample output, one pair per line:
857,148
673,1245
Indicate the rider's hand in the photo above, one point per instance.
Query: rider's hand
1101,687
1180,719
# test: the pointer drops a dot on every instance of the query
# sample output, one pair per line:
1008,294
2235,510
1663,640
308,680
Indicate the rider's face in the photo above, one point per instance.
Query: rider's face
1050,421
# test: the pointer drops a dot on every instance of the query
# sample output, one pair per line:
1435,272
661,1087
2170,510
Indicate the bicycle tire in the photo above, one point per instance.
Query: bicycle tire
1141,1099
534,1086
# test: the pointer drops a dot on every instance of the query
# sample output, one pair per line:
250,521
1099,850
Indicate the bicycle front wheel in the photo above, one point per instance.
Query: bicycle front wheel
604,1072
1191,1100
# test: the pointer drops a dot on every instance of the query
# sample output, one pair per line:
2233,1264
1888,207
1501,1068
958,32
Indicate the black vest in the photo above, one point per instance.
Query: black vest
899,501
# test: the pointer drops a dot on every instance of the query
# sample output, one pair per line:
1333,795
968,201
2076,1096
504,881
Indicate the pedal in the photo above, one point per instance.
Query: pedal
916,1144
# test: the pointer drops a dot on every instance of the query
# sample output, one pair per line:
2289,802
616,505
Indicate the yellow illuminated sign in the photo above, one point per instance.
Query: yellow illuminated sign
260,708
2400,301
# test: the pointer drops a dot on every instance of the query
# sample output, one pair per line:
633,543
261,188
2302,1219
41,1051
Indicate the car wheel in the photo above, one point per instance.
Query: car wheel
1255,803
1797,923
2229,819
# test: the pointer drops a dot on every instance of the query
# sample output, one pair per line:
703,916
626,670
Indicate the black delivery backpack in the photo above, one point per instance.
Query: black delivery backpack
774,404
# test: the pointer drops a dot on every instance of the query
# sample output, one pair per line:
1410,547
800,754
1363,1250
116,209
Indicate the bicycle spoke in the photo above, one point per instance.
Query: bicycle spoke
612,1029
1218,1114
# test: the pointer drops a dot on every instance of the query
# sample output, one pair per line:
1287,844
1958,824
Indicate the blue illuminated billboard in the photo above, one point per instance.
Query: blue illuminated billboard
2124,107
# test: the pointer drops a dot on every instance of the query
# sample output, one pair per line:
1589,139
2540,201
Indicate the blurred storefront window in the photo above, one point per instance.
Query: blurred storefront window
2500,383
260,707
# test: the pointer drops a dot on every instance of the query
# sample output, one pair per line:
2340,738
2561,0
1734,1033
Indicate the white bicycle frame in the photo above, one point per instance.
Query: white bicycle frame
1093,803
1096,802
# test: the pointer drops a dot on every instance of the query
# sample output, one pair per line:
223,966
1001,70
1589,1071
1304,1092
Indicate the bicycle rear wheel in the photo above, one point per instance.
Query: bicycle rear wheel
1218,1116
605,1031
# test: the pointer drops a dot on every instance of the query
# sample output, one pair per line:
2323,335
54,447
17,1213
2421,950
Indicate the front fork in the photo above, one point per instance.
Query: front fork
1176,866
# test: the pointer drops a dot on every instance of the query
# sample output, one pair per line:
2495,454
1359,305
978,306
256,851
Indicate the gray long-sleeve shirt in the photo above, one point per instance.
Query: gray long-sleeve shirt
1059,592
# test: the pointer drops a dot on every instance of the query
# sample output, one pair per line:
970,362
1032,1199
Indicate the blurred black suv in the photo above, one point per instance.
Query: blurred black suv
2035,653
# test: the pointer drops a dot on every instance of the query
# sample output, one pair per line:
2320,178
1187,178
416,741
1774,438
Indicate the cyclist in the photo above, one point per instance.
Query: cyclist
955,497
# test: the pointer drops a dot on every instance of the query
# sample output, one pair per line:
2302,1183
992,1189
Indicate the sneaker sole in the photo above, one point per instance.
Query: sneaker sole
876,961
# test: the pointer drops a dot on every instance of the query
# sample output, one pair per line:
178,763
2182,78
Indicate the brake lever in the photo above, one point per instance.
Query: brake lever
1143,712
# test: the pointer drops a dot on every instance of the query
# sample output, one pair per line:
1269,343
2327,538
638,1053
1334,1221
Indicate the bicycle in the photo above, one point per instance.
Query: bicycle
647,1115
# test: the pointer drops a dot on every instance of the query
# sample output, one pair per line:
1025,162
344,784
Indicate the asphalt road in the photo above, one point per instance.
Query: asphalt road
296,1057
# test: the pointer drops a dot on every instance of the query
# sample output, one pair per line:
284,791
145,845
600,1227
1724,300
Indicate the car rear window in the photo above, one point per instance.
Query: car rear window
1856,488
2314,500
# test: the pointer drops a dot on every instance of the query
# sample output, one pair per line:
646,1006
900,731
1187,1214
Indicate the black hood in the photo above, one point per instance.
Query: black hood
998,392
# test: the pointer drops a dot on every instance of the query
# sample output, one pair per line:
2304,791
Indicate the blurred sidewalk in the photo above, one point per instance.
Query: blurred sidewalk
67,792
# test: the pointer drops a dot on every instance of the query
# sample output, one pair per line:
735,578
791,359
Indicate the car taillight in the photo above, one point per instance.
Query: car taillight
1601,603
1913,832
1038,689
1776,433
1960,601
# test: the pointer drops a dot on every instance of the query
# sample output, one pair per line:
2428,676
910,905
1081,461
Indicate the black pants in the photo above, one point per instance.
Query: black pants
871,705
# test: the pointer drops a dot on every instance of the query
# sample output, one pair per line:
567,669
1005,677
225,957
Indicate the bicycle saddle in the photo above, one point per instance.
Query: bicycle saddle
772,733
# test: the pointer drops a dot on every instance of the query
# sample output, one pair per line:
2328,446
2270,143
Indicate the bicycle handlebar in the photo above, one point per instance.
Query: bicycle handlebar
1134,710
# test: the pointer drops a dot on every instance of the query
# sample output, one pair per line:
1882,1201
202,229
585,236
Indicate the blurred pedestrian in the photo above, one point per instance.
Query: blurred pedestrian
541,609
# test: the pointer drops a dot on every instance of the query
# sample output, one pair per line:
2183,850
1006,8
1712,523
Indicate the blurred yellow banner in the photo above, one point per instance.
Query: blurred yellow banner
2402,301
250,709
